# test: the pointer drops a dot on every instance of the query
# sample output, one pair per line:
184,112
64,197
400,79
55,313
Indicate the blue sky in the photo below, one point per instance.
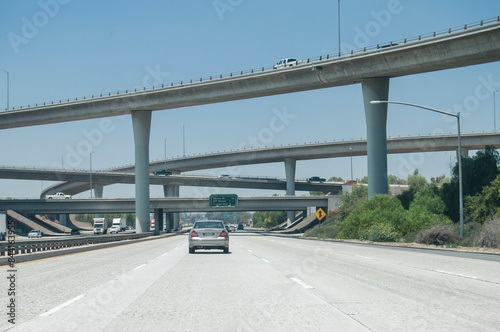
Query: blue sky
59,49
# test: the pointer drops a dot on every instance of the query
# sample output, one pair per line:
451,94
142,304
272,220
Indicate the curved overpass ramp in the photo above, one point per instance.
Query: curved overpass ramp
296,152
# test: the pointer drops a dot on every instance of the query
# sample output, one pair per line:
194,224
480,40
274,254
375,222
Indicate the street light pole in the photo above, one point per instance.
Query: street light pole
351,163
8,84
184,139
494,111
338,10
166,152
460,187
91,174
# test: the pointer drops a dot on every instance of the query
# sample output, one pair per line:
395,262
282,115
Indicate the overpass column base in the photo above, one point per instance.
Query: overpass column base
158,221
376,130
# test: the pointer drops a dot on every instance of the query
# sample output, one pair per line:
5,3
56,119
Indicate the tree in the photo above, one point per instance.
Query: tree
393,179
477,172
416,181
336,179
426,210
438,181
484,204
268,219
351,200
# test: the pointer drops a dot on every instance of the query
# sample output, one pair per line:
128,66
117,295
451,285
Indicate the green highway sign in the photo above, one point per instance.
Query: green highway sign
223,200
228,216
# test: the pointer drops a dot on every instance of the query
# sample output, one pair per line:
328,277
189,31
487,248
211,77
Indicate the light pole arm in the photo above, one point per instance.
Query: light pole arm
413,105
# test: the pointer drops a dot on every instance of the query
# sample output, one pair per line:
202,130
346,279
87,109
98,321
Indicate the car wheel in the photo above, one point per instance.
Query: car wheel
226,250
191,250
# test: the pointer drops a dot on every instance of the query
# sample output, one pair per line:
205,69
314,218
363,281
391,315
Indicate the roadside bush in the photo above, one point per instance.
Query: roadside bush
380,209
323,232
380,233
490,234
326,230
438,235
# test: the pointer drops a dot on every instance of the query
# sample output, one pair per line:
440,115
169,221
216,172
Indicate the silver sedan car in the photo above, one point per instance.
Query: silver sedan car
208,234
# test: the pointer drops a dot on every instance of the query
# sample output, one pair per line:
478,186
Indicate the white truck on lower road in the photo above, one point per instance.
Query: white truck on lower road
100,226
288,62
58,195
118,225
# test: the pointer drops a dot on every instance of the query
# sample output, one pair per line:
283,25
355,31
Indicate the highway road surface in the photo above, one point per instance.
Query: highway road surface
266,283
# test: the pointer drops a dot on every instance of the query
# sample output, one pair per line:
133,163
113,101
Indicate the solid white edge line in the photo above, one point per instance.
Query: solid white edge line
137,268
59,307
456,274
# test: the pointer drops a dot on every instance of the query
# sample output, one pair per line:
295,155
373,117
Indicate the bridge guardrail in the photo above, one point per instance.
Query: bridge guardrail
340,54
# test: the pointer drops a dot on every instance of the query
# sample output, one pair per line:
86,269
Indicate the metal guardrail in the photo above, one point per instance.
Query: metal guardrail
26,247
338,55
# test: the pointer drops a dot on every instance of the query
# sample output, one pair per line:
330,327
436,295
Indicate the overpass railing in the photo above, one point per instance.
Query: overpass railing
337,55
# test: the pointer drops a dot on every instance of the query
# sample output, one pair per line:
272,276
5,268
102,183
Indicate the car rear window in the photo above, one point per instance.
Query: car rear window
208,224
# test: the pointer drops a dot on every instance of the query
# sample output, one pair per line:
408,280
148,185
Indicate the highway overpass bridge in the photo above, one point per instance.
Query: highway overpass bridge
79,181
372,67
167,204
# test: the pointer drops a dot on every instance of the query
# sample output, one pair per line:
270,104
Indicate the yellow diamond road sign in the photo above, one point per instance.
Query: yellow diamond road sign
320,214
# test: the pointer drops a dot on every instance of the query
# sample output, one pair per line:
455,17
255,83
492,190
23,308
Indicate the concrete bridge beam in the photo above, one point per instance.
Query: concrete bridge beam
141,121
376,130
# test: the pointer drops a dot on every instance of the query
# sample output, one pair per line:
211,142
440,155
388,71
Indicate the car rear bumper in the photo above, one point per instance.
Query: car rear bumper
218,243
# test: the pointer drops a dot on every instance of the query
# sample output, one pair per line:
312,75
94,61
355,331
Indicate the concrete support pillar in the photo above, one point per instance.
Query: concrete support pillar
465,153
290,166
158,221
98,190
169,191
376,124
141,121
176,214
63,219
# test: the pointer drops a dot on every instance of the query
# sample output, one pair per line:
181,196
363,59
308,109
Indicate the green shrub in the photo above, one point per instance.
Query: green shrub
380,233
438,235
380,209
471,233
490,234
323,232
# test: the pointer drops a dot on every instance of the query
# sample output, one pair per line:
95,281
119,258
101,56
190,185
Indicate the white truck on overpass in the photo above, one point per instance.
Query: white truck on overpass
288,62
58,195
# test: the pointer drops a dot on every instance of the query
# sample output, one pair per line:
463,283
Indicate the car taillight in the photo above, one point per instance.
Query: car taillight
223,234
194,234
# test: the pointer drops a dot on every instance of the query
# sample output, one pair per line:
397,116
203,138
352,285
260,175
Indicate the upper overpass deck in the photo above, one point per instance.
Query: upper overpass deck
469,45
